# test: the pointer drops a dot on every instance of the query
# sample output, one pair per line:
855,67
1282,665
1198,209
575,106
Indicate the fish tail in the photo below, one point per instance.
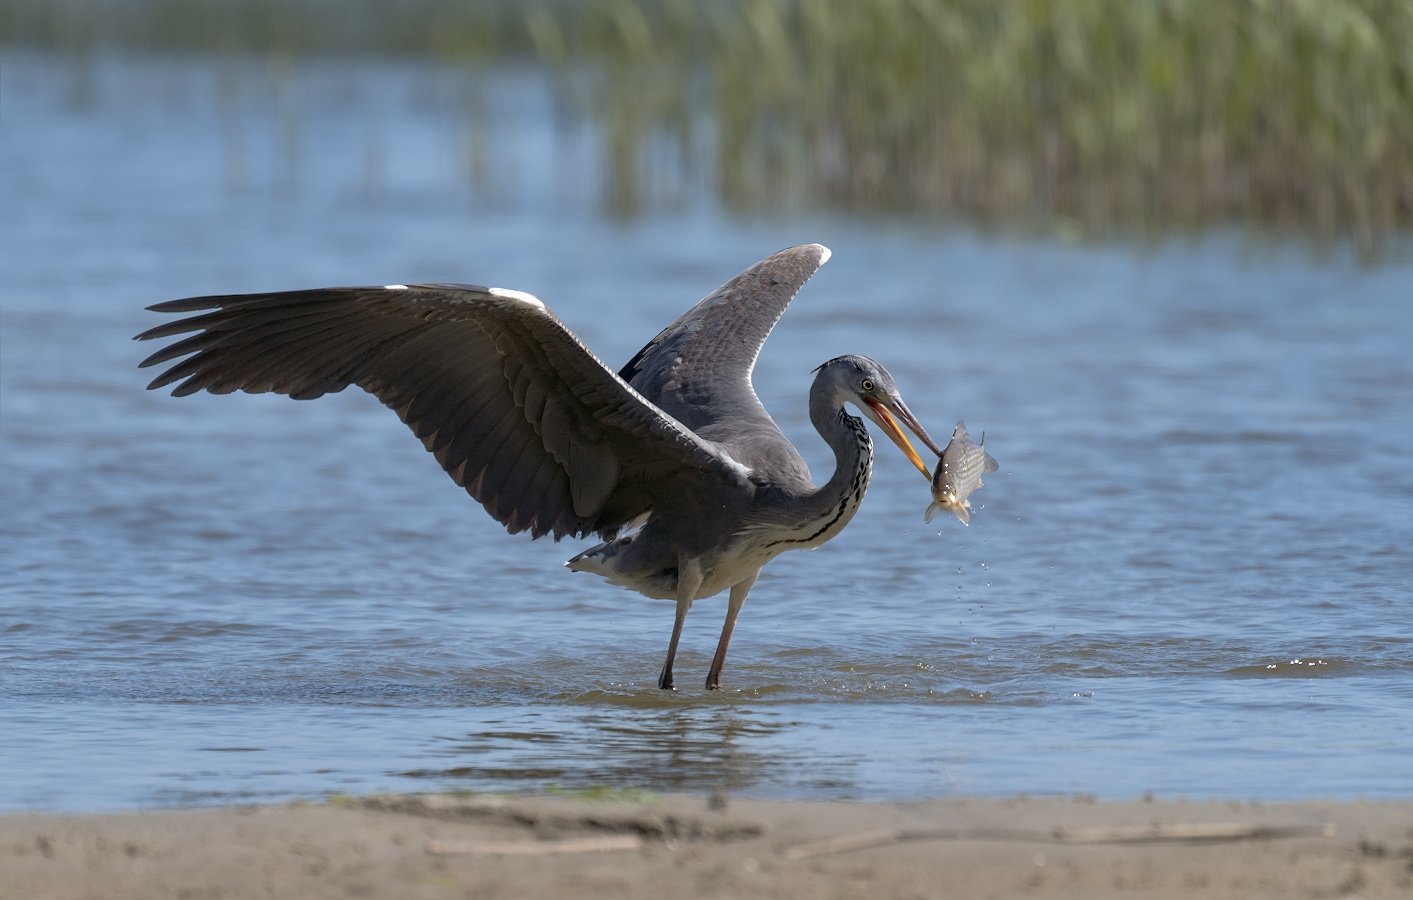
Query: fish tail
989,463
933,509
963,512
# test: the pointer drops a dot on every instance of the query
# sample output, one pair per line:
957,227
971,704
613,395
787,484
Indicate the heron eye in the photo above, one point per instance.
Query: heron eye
867,385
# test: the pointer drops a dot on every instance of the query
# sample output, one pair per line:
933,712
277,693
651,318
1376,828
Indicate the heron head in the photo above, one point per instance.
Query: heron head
871,388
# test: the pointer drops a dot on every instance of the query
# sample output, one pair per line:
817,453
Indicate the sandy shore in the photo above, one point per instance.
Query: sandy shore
686,847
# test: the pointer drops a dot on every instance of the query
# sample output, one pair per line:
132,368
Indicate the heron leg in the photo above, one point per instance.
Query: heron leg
689,581
733,606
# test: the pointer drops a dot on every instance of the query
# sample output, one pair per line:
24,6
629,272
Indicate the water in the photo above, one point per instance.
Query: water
1191,575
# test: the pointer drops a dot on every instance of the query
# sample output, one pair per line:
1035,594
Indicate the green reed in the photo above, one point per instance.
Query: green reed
1104,113
1099,114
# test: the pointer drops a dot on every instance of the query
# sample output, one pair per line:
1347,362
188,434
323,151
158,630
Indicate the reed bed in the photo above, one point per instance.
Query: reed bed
1095,114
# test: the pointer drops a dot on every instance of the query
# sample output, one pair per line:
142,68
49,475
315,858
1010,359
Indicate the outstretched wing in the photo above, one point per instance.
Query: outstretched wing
698,369
515,408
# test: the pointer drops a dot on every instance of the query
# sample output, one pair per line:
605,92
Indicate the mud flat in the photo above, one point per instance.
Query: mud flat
684,846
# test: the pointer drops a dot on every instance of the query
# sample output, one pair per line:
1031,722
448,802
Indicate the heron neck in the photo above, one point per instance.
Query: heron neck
853,456
815,516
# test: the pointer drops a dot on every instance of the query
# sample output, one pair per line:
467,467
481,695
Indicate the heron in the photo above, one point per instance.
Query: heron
672,462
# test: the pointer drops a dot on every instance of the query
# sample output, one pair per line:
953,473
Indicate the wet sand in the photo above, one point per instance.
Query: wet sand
463,846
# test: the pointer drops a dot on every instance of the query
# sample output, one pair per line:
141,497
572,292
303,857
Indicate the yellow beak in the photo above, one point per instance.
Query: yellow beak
885,419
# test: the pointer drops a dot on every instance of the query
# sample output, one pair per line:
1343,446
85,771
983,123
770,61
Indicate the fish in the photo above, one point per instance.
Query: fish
958,474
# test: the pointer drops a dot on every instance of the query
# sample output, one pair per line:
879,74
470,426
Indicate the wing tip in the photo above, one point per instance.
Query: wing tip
817,252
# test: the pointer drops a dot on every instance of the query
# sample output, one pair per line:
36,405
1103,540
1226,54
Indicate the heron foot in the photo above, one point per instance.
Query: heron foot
664,680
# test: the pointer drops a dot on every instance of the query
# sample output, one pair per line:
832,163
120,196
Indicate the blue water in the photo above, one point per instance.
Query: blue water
1191,575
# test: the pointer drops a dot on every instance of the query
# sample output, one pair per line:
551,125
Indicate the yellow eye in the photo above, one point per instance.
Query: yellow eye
867,385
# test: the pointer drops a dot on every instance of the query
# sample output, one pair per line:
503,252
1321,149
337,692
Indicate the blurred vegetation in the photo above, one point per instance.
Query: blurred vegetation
1103,114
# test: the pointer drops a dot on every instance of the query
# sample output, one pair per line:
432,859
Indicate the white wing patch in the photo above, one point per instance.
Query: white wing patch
518,296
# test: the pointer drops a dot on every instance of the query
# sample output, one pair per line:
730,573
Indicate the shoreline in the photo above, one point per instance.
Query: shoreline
630,846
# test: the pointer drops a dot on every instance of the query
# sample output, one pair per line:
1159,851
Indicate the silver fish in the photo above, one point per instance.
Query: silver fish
959,473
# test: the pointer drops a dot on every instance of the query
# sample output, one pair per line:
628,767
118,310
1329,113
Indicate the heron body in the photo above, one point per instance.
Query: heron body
672,461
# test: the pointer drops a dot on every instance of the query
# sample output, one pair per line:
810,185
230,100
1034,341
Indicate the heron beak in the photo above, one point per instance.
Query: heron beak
884,415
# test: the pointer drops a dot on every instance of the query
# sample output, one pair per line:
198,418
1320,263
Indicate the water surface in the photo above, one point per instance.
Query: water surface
1191,575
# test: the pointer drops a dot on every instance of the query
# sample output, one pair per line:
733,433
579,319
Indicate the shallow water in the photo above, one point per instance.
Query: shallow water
1191,575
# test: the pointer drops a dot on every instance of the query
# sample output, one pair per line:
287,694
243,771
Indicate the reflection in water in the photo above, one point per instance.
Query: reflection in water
677,749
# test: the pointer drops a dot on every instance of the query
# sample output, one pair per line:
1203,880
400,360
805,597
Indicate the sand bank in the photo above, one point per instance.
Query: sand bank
687,847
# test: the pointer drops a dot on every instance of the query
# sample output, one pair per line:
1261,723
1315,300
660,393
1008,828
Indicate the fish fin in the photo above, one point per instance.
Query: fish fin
933,509
960,430
991,465
963,512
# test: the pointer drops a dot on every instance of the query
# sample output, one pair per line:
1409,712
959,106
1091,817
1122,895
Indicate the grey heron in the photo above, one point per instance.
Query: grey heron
672,462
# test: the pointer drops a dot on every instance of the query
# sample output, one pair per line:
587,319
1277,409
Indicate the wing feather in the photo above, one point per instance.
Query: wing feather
284,353
698,369
466,405
480,446
511,404
539,485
